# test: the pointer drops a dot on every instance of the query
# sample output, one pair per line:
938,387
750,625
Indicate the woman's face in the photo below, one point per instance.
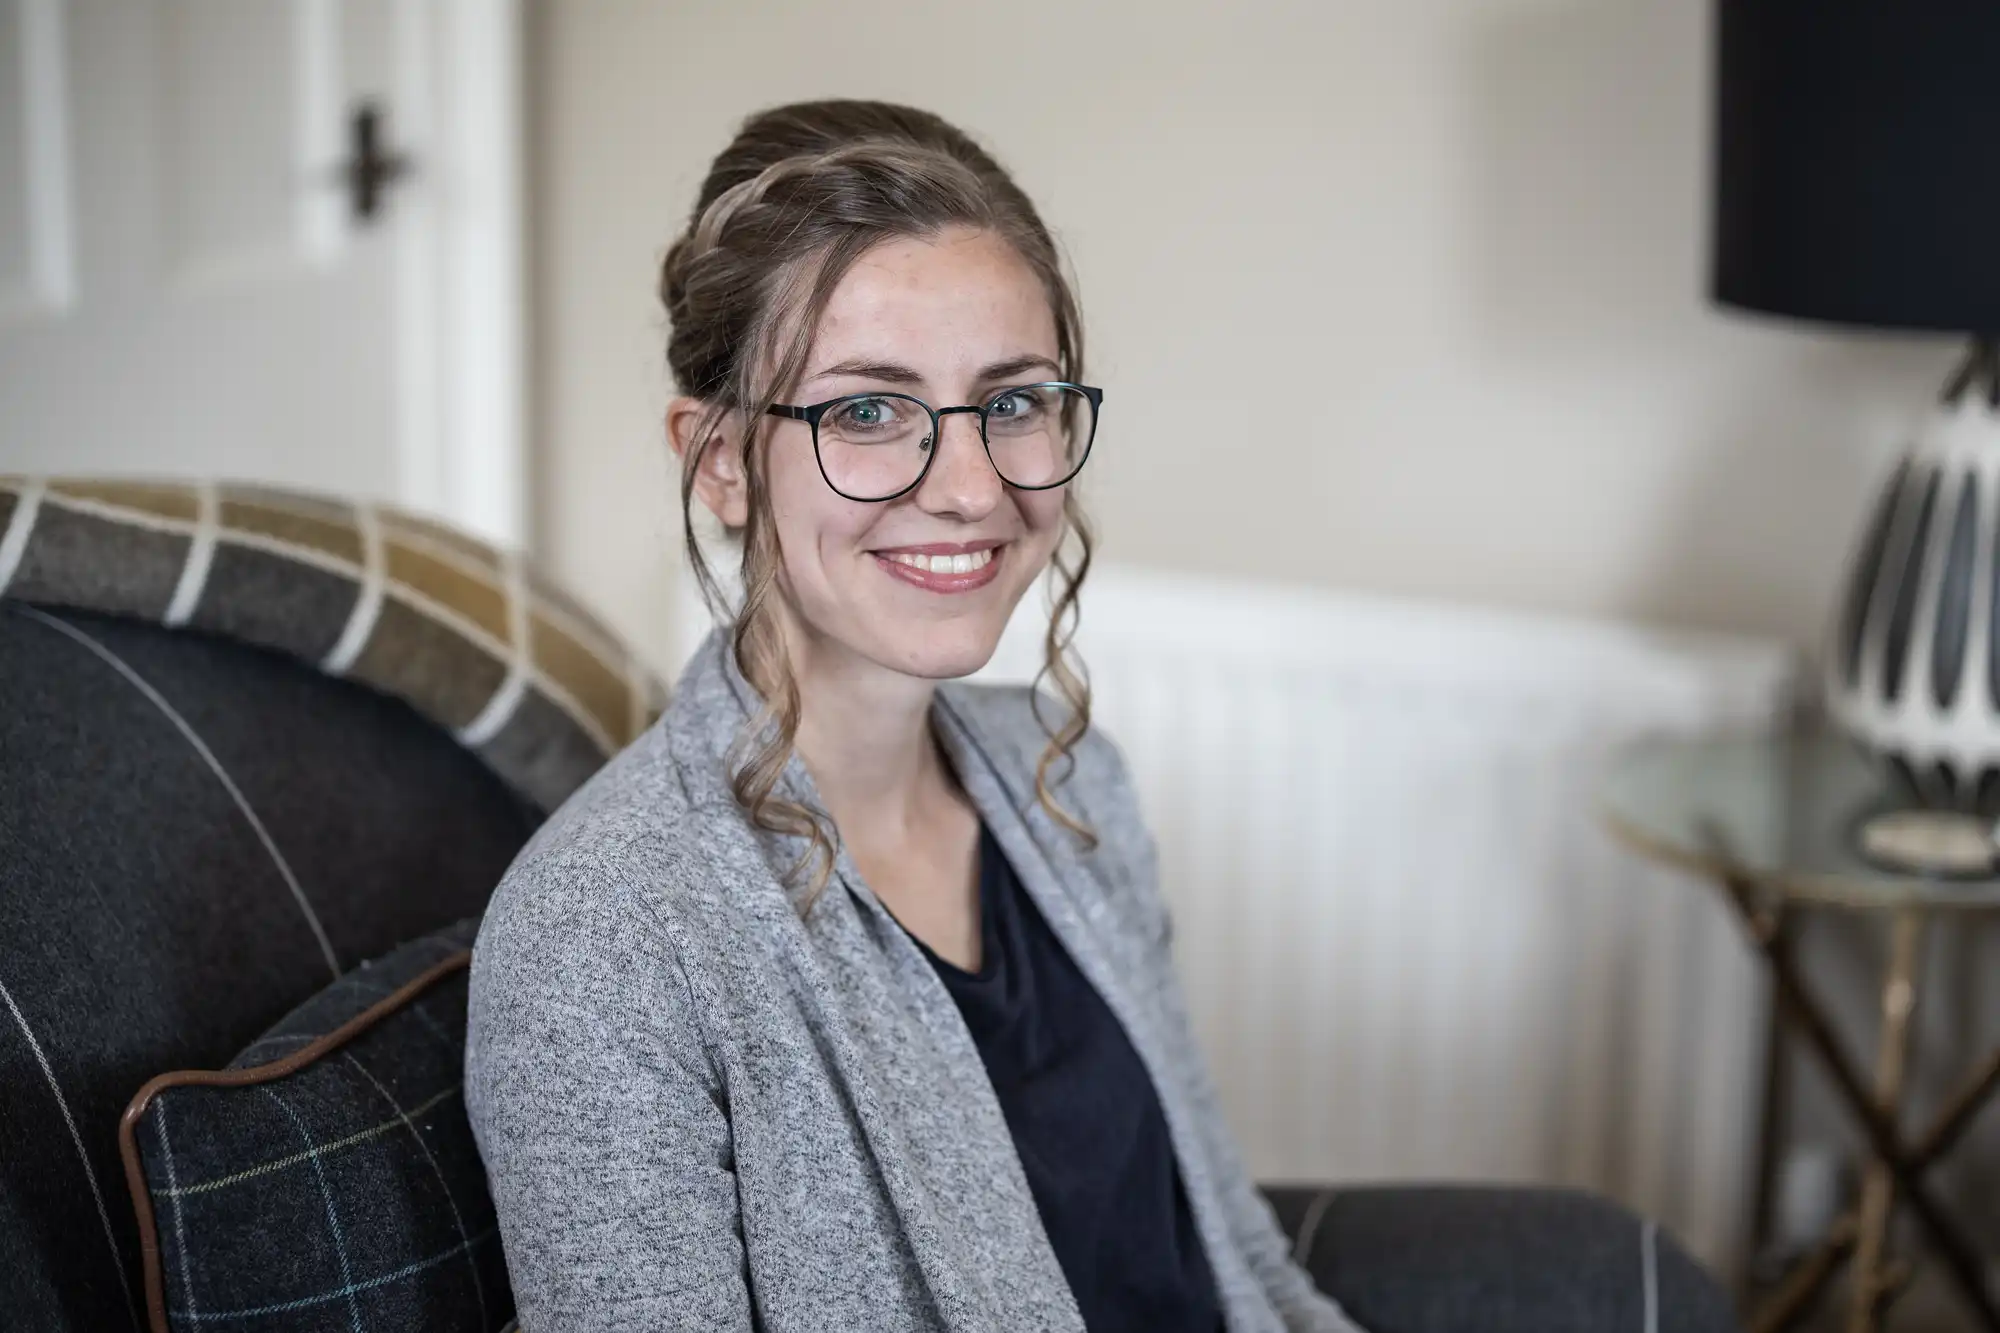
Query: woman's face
950,319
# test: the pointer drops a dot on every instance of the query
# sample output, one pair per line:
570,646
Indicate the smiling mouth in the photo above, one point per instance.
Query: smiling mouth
962,563
943,571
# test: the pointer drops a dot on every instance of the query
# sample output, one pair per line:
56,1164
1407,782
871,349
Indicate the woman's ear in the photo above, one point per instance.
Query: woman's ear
719,477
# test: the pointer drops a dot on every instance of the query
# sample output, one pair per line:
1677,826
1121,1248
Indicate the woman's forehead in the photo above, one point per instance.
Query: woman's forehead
963,296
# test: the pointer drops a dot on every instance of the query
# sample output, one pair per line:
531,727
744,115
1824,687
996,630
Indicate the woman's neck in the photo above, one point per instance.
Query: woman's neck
865,736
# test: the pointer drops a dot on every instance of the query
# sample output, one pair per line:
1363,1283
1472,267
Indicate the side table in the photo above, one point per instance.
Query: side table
1771,823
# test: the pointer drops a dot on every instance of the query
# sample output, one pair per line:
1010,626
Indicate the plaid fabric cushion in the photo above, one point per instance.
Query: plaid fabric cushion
328,1178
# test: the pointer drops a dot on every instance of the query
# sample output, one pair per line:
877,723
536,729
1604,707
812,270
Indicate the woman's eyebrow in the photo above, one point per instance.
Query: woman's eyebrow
887,371
890,372
1001,370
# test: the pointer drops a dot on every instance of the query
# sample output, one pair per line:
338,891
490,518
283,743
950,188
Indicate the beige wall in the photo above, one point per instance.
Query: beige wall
1403,295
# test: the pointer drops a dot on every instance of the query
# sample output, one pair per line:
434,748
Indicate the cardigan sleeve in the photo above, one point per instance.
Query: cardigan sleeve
600,1118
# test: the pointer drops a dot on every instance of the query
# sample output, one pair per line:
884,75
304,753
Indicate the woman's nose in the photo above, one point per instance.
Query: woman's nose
961,480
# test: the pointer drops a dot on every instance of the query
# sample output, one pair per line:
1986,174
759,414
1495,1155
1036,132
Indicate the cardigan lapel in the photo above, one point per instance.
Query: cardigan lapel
914,1077
1066,885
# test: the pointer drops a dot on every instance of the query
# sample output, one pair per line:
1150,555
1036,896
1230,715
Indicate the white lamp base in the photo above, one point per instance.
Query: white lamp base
1913,665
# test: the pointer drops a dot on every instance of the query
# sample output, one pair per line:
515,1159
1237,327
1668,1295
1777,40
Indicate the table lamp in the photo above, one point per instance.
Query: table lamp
1857,182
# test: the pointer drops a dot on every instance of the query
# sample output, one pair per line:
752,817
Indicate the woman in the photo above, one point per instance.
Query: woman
842,999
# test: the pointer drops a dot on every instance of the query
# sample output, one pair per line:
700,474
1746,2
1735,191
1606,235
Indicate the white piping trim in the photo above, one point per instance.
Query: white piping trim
75,1138
499,708
367,606
167,710
1302,1248
201,554
14,543
1649,1265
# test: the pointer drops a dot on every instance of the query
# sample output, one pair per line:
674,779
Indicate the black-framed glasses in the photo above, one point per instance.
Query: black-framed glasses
877,446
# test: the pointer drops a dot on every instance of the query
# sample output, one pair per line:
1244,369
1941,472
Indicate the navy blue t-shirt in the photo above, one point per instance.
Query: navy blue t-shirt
1086,1121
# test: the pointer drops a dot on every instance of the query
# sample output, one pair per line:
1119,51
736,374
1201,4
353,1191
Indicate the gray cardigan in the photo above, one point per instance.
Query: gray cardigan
700,1110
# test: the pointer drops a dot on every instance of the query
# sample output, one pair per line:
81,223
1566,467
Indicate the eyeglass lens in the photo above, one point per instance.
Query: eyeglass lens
873,446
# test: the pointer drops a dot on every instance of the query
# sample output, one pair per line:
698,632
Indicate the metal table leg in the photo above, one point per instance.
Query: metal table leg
1899,1001
1903,1166
1773,1109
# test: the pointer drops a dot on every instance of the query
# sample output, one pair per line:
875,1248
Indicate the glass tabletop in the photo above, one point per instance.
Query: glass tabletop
1786,810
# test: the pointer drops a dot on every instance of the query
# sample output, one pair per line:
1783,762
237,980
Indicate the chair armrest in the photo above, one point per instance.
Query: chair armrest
1452,1259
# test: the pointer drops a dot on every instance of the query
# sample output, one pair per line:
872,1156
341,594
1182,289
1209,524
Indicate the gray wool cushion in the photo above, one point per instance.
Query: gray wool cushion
327,1178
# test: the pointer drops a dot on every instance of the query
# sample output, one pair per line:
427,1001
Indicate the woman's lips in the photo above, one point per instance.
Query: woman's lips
944,569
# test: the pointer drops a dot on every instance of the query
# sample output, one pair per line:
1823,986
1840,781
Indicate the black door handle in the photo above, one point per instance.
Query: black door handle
372,166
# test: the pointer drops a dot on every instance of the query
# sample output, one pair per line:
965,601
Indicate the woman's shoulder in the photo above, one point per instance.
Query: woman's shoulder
629,851
593,941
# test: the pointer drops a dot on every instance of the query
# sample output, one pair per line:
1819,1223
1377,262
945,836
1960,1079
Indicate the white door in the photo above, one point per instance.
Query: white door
270,240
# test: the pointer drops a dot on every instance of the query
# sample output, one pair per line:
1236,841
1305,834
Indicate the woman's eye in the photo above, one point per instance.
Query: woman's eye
1018,404
867,413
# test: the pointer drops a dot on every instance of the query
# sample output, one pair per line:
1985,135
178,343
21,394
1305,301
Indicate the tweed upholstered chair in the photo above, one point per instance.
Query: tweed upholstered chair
249,740
263,756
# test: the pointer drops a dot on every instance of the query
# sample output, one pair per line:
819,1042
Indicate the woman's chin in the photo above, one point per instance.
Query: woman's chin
945,652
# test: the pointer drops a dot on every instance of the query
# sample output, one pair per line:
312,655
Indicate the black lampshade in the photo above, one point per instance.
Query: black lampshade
1857,161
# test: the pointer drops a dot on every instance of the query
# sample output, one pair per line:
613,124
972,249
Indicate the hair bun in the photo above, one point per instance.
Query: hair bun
826,179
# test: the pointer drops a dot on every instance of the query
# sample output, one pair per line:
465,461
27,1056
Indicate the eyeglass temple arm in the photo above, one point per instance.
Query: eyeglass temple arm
790,413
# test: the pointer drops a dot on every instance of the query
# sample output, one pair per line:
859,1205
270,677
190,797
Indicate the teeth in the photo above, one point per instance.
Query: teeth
945,564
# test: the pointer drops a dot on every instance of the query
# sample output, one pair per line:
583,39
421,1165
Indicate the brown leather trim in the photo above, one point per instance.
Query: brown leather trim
128,1146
